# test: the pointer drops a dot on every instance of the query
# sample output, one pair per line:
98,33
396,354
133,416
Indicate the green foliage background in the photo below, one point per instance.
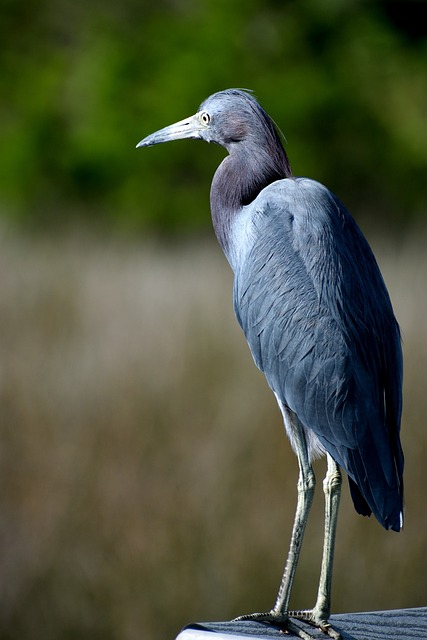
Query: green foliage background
345,80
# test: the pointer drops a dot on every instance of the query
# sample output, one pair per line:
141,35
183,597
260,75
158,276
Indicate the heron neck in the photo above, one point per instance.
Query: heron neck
239,179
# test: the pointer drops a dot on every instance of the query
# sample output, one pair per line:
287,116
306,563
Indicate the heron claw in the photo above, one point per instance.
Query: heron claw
284,622
269,616
314,619
280,620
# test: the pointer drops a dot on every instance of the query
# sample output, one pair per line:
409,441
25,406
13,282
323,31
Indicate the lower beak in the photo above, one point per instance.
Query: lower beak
187,128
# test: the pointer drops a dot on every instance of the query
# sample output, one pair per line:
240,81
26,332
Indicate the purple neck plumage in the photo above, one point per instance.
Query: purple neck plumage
241,176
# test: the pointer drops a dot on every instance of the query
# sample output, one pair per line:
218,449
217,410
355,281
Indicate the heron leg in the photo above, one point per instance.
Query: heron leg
319,615
305,487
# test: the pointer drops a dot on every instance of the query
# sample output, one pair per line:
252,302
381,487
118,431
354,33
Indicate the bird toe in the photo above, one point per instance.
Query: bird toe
286,625
311,617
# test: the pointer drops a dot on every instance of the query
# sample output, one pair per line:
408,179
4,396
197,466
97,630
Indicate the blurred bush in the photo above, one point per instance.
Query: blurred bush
83,82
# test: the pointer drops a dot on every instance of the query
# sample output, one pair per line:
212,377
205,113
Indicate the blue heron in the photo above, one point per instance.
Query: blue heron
318,319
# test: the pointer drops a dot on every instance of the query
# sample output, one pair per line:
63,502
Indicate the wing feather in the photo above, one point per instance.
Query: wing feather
318,319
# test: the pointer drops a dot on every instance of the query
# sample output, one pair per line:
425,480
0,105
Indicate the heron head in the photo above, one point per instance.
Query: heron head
226,118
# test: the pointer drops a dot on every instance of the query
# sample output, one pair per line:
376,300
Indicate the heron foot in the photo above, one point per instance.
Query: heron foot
284,622
312,617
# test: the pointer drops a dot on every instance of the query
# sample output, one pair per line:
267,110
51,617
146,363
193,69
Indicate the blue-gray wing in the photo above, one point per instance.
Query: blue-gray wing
318,319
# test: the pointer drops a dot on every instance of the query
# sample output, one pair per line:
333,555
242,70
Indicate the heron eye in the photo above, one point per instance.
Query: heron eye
205,117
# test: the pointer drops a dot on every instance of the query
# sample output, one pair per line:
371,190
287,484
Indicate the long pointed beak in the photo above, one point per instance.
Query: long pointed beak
187,128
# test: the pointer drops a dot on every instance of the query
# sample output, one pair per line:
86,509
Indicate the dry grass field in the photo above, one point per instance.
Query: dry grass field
145,479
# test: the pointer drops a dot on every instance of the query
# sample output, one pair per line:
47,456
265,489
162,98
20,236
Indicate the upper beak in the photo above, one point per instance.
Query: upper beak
187,128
